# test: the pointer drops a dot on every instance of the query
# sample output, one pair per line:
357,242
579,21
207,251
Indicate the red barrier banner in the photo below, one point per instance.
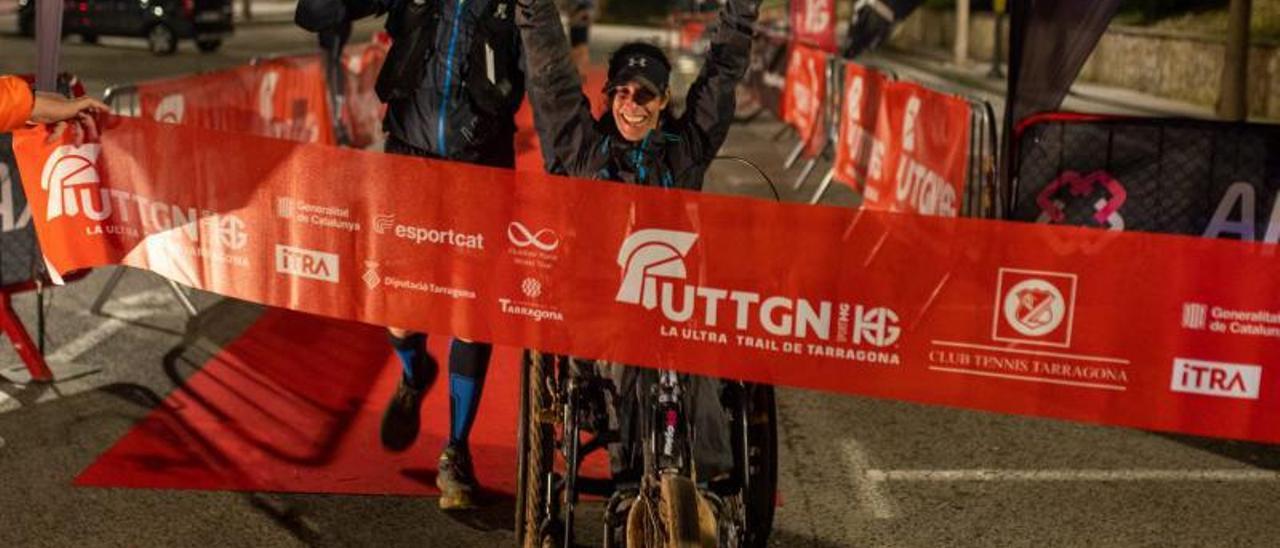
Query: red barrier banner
925,138
814,23
282,98
979,314
860,146
805,95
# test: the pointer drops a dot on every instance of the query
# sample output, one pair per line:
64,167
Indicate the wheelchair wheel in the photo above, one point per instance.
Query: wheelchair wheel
677,517
535,448
762,466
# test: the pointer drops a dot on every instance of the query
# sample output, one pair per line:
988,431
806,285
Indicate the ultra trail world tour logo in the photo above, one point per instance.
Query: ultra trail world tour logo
653,273
73,186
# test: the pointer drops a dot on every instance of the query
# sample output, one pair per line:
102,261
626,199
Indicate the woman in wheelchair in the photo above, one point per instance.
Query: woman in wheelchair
679,438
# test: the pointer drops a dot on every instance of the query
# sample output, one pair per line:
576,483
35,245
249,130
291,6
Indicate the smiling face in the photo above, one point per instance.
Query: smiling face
636,110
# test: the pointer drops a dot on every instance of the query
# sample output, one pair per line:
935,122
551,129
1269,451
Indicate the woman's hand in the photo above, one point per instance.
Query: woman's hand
80,114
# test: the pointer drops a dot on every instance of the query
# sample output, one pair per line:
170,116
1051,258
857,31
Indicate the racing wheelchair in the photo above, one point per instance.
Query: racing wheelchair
563,419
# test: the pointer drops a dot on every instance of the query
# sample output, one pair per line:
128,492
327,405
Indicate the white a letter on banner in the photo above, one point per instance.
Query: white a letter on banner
1221,224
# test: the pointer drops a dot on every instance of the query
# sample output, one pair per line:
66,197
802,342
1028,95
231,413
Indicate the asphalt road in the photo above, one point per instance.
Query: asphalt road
854,471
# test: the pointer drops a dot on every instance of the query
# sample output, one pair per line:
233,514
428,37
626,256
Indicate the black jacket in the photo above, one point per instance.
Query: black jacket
453,78
676,154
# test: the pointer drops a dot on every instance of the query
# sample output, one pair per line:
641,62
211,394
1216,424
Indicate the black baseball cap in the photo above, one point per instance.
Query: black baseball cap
642,63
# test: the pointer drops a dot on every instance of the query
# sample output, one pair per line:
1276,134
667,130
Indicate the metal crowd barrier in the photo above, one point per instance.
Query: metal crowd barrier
829,117
835,85
123,100
981,198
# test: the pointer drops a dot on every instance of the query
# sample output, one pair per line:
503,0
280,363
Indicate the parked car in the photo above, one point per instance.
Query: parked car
161,22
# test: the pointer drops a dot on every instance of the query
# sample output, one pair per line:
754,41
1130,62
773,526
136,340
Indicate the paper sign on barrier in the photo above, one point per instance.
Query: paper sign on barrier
920,146
282,98
814,23
976,314
805,96
861,146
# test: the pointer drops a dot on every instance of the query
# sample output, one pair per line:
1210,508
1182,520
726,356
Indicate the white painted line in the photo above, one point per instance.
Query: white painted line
1083,357
1029,379
131,307
62,360
869,492
880,476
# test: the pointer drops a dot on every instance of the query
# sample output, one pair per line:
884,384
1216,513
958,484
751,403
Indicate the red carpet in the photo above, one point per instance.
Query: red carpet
294,405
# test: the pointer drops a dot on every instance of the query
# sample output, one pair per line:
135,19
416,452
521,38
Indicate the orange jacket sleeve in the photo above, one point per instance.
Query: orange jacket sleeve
16,101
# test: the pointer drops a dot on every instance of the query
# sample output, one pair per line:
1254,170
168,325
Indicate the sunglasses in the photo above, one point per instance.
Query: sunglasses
637,94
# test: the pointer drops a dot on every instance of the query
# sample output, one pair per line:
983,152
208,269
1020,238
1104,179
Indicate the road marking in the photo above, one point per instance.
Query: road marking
131,307
881,476
869,492
62,360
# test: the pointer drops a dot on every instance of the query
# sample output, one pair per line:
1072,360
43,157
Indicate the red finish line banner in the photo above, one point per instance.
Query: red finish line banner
1016,318
906,145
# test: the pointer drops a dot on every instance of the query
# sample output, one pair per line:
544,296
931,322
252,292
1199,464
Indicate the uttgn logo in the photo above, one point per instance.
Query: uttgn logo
647,254
71,168
74,187
654,274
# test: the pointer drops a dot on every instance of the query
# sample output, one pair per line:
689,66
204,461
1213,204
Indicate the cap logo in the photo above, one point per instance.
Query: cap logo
637,62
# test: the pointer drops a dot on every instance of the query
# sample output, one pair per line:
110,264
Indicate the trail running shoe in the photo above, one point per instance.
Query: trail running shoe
456,479
400,422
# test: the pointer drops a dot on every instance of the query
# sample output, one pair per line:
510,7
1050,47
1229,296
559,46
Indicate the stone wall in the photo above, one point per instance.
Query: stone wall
1176,65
